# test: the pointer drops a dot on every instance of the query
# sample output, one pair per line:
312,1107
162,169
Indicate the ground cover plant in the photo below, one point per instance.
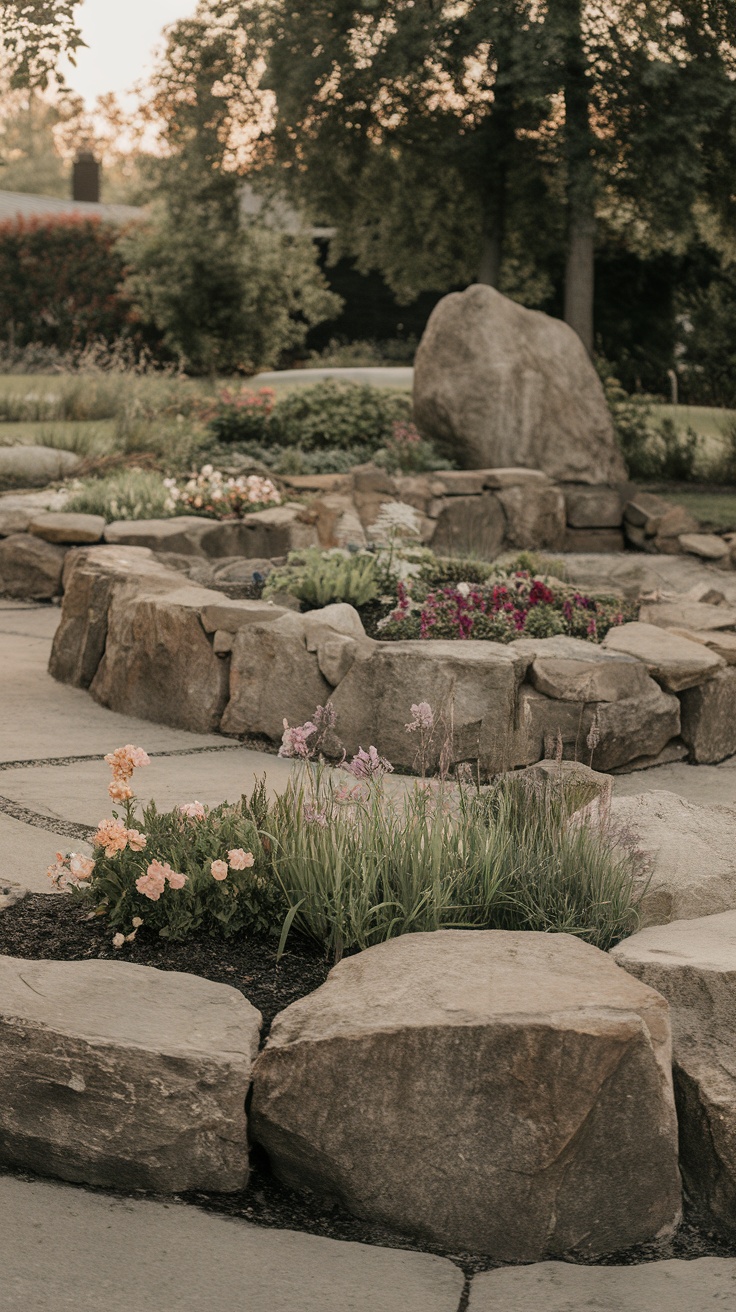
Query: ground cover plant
347,861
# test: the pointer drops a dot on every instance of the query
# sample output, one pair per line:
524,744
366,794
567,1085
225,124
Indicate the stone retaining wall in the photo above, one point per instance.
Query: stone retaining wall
150,642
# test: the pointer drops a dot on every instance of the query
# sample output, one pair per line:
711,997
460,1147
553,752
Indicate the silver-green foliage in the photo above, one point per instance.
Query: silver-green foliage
318,578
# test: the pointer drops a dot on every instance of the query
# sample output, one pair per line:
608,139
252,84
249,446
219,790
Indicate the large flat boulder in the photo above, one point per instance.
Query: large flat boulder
689,854
34,466
502,1093
673,661
182,533
89,579
693,964
30,568
272,532
593,507
709,717
498,385
67,528
471,686
159,663
687,614
122,1076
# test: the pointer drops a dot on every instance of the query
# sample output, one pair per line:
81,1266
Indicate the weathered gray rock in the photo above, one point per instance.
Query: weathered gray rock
469,526
182,533
573,680
273,677
234,615
122,1076
503,1093
706,545
33,466
689,855
159,663
89,578
709,718
624,729
272,532
675,1285
67,528
498,385
514,476
233,569
683,614
593,507
673,661
339,617
535,517
470,685
673,525
14,519
30,568
335,656
594,540
692,963
644,510
721,642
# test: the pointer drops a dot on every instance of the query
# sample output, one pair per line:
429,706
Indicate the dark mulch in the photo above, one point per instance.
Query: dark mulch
54,928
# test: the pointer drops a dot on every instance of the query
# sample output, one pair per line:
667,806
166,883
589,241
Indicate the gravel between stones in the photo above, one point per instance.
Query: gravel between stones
47,927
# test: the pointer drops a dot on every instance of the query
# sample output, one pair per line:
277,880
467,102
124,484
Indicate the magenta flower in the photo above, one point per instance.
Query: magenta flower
368,765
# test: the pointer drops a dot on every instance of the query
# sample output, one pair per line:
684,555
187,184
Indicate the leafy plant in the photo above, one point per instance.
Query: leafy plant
318,578
332,414
242,416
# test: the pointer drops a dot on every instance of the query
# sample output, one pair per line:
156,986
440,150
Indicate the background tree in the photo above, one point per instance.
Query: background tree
34,34
226,294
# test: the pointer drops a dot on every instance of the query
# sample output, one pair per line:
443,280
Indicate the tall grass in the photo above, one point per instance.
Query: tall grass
356,870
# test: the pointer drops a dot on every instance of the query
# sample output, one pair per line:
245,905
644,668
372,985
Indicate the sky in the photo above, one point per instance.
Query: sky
121,36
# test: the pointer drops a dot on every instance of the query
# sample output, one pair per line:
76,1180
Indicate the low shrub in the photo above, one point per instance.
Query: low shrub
210,493
323,416
319,578
242,416
350,863
125,494
499,608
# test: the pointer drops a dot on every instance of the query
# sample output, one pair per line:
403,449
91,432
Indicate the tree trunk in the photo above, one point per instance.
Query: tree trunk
491,254
580,271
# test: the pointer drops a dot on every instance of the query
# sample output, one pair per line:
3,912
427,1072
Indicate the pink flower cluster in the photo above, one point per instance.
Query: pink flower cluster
192,810
123,761
423,718
114,837
304,741
368,765
71,870
157,875
225,498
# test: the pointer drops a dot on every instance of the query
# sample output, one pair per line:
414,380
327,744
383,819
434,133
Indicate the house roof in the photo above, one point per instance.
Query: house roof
20,204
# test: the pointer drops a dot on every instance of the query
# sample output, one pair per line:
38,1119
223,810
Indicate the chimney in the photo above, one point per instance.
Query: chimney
86,177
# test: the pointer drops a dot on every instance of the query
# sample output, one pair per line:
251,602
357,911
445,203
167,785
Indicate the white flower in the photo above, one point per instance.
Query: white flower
463,589
118,940
396,519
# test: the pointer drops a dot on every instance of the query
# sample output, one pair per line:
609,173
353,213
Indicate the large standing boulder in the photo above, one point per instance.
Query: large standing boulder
499,385
693,964
504,1093
689,854
122,1076
709,717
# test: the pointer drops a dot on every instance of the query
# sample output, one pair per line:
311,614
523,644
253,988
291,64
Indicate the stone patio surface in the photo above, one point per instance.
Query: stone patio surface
673,1286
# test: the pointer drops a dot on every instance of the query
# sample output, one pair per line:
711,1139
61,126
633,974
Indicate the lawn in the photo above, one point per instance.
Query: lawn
714,509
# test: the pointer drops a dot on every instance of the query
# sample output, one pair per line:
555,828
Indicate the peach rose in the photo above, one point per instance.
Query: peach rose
219,869
240,860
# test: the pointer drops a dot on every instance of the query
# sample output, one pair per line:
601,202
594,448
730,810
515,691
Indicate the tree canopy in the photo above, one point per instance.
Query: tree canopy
35,34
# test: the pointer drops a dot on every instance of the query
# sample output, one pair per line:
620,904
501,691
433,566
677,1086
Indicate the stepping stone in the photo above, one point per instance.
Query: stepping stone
672,1286
706,545
123,1076
68,1249
494,1092
692,963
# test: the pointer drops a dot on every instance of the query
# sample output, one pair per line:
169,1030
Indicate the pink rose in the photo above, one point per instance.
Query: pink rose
136,840
176,879
219,870
81,866
193,810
